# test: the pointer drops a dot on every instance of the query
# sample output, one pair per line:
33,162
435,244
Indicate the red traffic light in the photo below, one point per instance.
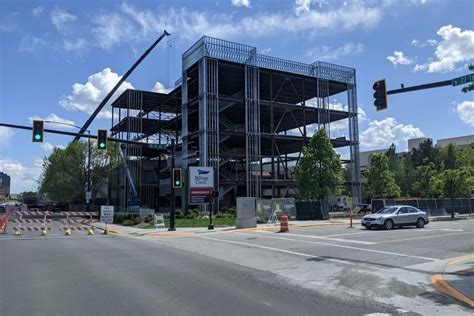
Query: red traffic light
380,95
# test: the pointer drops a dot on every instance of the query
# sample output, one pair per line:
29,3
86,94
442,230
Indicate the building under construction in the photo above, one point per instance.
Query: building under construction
245,114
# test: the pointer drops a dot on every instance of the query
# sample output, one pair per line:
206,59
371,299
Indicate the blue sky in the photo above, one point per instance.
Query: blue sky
58,59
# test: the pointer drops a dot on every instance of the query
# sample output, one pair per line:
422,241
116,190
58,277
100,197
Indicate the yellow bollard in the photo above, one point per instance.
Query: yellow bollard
44,231
90,231
67,232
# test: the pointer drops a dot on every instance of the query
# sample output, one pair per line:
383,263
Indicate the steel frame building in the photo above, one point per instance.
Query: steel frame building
245,114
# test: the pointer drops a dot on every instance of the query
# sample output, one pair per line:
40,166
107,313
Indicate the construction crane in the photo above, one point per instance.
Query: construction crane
109,95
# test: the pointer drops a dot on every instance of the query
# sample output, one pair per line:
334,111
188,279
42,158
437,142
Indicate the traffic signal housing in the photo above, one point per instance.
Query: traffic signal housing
380,95
38,131
102,139
177,178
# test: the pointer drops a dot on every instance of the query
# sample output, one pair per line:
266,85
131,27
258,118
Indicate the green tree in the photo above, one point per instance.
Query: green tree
396,166
458,183
425,184
381,181
28,197
409,175
426,153
450,156
465,157
64,174
318,173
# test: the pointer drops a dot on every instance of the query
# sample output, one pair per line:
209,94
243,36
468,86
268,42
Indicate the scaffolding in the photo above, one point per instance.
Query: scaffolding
249,115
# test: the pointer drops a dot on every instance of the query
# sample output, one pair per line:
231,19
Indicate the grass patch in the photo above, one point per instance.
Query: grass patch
198,222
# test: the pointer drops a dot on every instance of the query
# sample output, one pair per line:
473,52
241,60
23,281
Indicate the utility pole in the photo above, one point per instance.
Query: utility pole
172,198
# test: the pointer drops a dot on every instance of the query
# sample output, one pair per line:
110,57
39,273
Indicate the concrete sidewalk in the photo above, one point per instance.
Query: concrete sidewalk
457,280
134,231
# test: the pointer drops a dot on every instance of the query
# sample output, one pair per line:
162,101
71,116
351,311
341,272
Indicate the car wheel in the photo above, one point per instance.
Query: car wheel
388,225
420,223
368,227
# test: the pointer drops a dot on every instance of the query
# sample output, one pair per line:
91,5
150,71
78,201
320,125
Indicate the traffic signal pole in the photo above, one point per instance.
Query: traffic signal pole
422,87
172,195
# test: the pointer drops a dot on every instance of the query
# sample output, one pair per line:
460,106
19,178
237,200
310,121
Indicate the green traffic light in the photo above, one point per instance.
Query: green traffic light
37,136
102,145
176,182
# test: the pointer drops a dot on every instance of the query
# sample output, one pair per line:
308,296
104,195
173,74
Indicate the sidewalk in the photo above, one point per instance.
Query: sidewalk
134,231
457,280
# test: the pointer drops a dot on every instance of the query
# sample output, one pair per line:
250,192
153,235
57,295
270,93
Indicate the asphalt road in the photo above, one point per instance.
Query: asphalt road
105,275
349,265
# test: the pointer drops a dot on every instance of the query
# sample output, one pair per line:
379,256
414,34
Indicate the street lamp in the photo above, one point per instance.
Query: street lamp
88,153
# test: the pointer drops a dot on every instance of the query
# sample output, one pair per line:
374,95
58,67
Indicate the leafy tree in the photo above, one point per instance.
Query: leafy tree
458,183
450,157
396,166
318,173
64,174
465,157
469,87
426,153
28,197
425,184
381,181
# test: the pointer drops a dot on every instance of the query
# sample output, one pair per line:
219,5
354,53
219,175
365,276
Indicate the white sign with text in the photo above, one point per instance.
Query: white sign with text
107,214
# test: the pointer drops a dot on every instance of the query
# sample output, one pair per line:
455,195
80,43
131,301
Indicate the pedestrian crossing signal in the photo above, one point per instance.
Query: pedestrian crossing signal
177,179
38,131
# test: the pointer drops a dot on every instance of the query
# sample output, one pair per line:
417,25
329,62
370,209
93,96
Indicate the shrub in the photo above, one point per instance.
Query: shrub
191,215
178,214
127,222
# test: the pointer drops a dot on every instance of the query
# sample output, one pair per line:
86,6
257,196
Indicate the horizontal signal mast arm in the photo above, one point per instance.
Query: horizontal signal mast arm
422,87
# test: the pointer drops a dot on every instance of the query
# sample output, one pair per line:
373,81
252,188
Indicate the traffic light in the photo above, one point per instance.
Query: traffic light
177,179
102,139
380,95
38,131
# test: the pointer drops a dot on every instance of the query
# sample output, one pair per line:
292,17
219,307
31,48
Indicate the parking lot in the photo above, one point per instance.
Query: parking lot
392,267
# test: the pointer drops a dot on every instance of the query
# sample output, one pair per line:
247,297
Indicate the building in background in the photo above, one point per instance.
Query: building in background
4,185
461,141
245,114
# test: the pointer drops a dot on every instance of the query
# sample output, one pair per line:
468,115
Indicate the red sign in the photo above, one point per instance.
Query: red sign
200,196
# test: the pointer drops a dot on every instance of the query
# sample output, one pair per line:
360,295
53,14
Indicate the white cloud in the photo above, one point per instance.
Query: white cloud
6,134
429,42
343,125
266,50
132,24
23,178
75,45
399,58
456,46
160,88
330,53
37,11
31,44
305,5
56,121
465,110
49,147
380,134
61,18
241,3
86,97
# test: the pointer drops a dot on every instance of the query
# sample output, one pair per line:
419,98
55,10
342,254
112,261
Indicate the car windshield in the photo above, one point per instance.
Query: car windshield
387,210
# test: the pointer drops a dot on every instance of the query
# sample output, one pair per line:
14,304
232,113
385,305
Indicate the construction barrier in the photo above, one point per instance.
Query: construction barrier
4,221
284,224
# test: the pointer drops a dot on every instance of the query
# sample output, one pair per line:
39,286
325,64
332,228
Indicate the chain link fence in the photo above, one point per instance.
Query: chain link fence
434,207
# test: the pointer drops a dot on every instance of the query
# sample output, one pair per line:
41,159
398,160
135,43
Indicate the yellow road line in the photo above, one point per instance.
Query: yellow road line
441,285
460,259
424,237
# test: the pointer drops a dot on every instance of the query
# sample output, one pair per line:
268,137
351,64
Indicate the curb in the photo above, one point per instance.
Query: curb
440,284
